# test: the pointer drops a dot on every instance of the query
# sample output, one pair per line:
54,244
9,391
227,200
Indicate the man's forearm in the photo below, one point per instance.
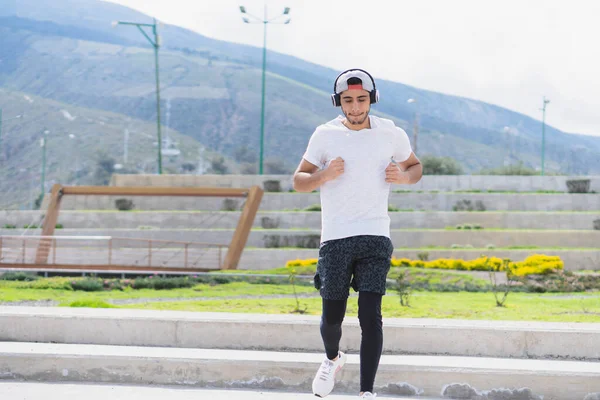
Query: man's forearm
414,174
305,182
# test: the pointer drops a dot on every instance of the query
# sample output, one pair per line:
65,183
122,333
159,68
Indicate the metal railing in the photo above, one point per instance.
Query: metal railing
109,253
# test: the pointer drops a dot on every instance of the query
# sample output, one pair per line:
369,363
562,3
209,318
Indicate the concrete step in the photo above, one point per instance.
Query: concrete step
299,201
575,341
39,391
310,238
429,182
397,375
311,220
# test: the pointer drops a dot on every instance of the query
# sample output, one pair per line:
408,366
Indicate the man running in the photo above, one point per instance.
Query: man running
354,160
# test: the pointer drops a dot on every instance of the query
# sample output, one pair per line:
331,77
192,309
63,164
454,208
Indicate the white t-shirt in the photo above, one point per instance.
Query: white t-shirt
356,202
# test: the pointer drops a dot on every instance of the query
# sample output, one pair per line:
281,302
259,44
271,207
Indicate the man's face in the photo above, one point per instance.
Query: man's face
356,105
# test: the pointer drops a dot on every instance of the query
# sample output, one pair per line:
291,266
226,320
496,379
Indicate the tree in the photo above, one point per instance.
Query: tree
248,169
188,167
218,165
433,165
105,167
518,169
275,166
245,154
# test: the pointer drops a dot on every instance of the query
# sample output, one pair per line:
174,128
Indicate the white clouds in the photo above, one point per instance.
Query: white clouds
506,52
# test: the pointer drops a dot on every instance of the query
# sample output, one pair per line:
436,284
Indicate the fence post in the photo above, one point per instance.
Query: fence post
149,253
24,250
110,251
54,251
185,257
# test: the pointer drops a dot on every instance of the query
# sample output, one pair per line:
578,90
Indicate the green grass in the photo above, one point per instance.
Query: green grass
12,291
571,307
91,304
474,306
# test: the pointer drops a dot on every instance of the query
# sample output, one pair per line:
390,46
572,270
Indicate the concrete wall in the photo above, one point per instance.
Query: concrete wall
430,182
291,201
310,220
310,238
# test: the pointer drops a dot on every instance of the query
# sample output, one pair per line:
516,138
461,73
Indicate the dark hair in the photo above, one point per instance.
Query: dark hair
354,81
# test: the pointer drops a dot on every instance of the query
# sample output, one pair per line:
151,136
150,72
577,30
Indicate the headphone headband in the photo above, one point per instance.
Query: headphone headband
373,94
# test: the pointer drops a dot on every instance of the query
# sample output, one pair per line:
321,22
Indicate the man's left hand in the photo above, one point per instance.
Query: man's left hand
393,174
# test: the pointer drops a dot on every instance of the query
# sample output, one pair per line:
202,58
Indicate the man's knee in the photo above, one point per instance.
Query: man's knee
369,310
333,312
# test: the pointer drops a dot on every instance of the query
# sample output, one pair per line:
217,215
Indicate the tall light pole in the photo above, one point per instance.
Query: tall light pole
263,21
73,139
546,101
156,45
2,120
43,181
415,124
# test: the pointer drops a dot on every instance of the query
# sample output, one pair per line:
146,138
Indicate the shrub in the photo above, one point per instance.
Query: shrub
88,285
537,264
578,185
404,289
272,186
300,241
440,166
158,283
597,224
269,223
18,276
314,207
518,169
424,256
9,226
124,204
59,226
55,283
229,205
467,205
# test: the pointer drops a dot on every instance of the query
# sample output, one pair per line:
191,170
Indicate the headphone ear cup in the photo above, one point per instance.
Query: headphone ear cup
374,96
335,99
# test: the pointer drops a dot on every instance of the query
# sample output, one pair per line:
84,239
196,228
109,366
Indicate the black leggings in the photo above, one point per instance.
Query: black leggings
371,344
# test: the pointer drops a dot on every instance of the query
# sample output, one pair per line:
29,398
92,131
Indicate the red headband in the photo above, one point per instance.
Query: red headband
355,86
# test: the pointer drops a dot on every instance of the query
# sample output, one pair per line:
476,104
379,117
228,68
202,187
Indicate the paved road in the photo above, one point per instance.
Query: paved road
46,391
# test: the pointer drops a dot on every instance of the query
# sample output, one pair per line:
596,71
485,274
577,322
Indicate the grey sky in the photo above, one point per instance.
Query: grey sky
505,52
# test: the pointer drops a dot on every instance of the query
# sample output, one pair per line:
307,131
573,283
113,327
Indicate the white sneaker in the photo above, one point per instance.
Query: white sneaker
325,378
368,395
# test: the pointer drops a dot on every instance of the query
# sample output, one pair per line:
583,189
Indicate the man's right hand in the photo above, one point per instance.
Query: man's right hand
334,169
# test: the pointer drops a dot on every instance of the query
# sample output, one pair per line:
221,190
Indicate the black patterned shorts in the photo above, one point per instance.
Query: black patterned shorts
360,262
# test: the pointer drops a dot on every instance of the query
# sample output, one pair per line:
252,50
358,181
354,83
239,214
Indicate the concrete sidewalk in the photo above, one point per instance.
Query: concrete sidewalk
262,370
41,391
504,339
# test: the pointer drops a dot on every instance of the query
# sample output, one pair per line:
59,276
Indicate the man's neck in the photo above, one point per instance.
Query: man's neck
364,125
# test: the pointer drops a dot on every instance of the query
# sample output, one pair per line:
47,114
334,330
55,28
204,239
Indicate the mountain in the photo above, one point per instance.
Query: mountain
69,53
80,144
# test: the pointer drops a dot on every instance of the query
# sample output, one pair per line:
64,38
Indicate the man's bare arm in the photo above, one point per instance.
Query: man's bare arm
405,173
308,177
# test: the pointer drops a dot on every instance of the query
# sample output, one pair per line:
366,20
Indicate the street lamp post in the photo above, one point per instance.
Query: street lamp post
415,124
43,181
2,120
156,45
263,21
546,101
